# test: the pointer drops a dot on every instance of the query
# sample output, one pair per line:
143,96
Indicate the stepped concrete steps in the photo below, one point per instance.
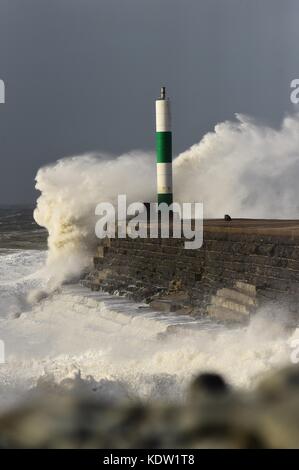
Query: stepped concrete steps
227,303
225,314
243,287
233,304
237,296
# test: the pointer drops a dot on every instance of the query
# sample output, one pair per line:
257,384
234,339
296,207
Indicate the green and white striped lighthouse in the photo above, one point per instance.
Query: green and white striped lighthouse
164,149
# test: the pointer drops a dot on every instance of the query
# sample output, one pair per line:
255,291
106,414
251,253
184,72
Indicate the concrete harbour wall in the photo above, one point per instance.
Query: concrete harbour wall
264,254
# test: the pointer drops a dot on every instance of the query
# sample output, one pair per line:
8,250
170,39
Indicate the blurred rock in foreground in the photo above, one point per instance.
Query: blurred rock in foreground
213,416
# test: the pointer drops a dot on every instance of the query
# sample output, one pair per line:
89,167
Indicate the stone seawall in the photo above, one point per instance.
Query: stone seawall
264,254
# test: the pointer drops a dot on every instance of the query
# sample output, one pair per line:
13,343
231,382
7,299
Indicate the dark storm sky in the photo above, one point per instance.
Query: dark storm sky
82,75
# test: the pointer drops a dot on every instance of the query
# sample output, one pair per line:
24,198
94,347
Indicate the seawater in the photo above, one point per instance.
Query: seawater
114,348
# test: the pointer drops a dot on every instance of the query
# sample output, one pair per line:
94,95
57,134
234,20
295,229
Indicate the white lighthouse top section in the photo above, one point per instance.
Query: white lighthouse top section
163,115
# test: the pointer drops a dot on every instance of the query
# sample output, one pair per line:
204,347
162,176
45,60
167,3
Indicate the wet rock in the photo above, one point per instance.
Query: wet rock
276,386
209,383
213,416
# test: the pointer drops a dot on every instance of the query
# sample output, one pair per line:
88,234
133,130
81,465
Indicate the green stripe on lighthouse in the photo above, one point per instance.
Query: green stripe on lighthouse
164,147
167,198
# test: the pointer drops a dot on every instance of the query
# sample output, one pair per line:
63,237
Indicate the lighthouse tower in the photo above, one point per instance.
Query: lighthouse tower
164,149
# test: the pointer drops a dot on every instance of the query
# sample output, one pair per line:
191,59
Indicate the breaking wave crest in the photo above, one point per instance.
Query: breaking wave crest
70,191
